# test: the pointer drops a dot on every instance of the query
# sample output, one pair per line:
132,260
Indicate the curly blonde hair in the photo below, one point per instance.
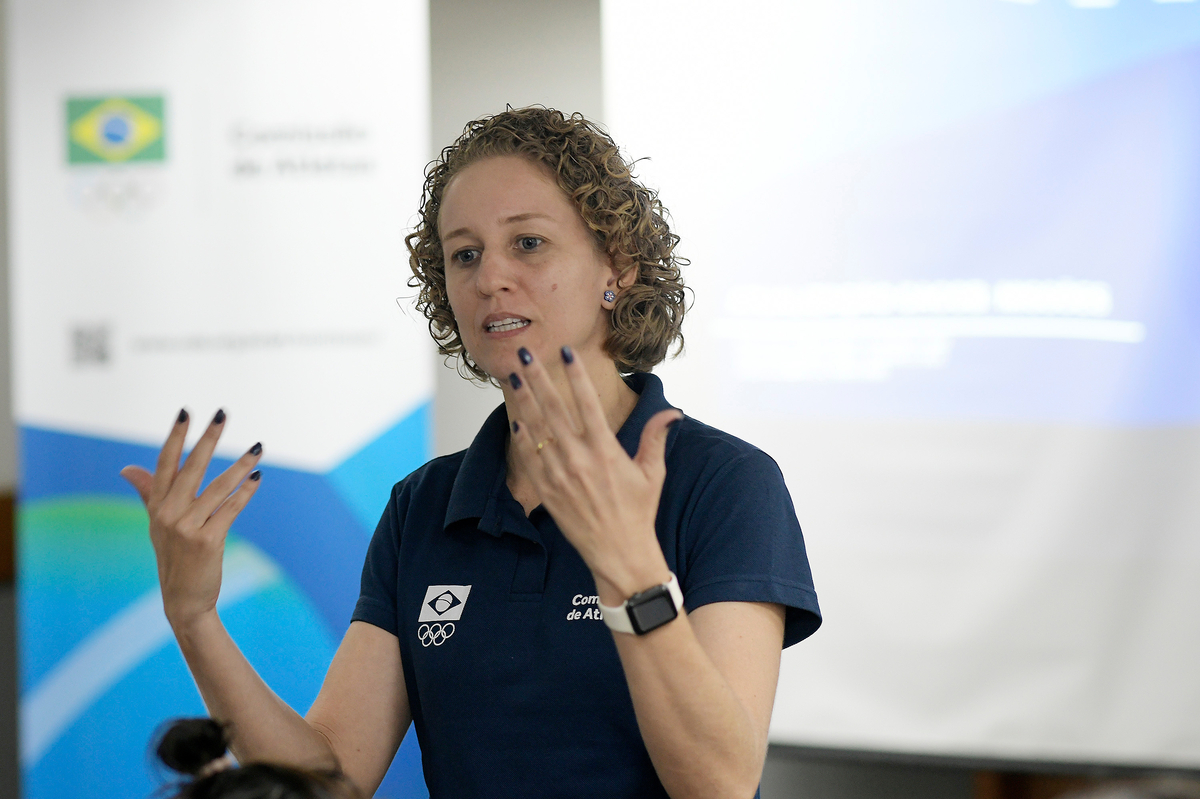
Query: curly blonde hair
627,219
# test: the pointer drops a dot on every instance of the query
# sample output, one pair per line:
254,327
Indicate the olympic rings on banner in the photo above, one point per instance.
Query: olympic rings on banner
436,633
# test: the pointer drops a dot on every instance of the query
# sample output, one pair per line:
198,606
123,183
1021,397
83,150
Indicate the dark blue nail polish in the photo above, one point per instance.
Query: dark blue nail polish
514,381
220,417
183,416
256,449
671,424
256,475
525,355
568,356
516,427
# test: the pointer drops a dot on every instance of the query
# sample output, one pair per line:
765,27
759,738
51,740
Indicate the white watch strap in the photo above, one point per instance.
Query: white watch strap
617,618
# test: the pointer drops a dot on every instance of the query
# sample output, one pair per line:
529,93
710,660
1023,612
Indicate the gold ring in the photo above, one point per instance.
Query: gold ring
543,443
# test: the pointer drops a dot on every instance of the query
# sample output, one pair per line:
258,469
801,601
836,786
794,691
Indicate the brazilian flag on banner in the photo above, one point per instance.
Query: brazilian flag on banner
115,130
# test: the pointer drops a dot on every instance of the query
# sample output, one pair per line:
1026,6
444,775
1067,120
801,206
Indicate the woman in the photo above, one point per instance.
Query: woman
548,269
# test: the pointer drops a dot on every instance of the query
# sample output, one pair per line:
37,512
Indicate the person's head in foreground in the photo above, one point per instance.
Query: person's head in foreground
1163,788
533,228
198,749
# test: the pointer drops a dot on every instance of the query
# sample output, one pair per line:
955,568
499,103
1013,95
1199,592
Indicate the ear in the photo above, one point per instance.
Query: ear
623,273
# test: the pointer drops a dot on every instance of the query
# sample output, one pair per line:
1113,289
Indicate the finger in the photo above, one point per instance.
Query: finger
653,445
222,520
555,438
223,485
529,426
554,413
585,396
523,439
168,458
534,444
188,482
526,406
141,480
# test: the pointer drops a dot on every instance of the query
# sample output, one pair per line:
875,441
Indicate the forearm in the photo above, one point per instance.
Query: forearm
702,739
263,727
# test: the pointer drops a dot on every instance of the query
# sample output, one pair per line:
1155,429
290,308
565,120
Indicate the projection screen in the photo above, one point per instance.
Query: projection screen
945,267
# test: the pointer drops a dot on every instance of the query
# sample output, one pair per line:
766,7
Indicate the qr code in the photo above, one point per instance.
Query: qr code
90,344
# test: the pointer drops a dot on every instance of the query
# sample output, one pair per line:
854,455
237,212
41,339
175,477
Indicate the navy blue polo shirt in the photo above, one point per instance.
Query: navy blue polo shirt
513,679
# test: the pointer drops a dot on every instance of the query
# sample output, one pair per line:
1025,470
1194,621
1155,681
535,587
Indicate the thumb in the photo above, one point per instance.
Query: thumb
653,445
140,479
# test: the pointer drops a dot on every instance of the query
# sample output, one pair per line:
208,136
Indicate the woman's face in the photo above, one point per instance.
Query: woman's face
522,268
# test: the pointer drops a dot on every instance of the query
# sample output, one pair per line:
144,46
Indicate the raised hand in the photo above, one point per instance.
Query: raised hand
604,502
188,531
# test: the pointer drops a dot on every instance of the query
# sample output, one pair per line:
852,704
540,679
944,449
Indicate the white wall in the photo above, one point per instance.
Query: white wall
485,55
8,438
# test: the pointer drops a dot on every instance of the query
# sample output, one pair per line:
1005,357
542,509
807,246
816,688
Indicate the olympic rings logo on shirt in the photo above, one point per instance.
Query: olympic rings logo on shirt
436,634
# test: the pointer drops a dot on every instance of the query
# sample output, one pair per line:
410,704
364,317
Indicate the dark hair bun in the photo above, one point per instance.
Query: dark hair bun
189,745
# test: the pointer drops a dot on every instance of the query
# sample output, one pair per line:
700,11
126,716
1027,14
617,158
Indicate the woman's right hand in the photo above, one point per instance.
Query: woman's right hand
188,531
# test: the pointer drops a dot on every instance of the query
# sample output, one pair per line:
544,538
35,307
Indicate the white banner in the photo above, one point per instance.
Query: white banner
254,261
208,208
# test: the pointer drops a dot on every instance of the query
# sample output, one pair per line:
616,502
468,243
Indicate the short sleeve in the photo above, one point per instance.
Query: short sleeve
744,544
377,595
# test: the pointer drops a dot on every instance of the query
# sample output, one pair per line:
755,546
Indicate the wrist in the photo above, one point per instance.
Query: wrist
620,581
645,611
192,627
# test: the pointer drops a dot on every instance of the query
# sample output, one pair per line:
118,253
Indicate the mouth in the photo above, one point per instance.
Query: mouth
506,324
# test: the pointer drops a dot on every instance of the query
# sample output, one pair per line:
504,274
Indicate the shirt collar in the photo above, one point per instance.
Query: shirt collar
479,487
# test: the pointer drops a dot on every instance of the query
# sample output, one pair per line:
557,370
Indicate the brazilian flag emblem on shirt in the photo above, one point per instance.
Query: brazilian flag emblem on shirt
115,130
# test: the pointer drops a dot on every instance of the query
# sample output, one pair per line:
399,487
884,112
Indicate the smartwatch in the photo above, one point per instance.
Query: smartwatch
645,611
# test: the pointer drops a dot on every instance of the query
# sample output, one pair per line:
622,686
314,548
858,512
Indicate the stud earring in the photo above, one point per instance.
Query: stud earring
609,295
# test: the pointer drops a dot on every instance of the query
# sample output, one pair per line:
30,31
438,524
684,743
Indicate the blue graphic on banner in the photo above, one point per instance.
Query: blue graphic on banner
367,475
99,669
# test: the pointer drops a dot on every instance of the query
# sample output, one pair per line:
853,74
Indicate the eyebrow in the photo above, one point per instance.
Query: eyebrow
507,221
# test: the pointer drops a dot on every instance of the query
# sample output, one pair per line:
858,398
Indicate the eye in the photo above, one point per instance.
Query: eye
466,257
528,243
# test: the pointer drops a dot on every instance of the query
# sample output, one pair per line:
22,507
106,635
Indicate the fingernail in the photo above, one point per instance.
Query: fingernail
514,380
525,356
674,422
220,417
568,356
516,427
256,475
183,417
256,449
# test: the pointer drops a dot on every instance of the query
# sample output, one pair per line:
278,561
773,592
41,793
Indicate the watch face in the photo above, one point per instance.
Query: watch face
652,609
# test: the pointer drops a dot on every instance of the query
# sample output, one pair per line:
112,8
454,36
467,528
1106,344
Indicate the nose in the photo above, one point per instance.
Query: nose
495,273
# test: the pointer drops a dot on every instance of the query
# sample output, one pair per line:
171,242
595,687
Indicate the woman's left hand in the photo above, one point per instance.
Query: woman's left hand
604,502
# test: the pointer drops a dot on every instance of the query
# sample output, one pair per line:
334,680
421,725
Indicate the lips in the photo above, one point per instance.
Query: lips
502,323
